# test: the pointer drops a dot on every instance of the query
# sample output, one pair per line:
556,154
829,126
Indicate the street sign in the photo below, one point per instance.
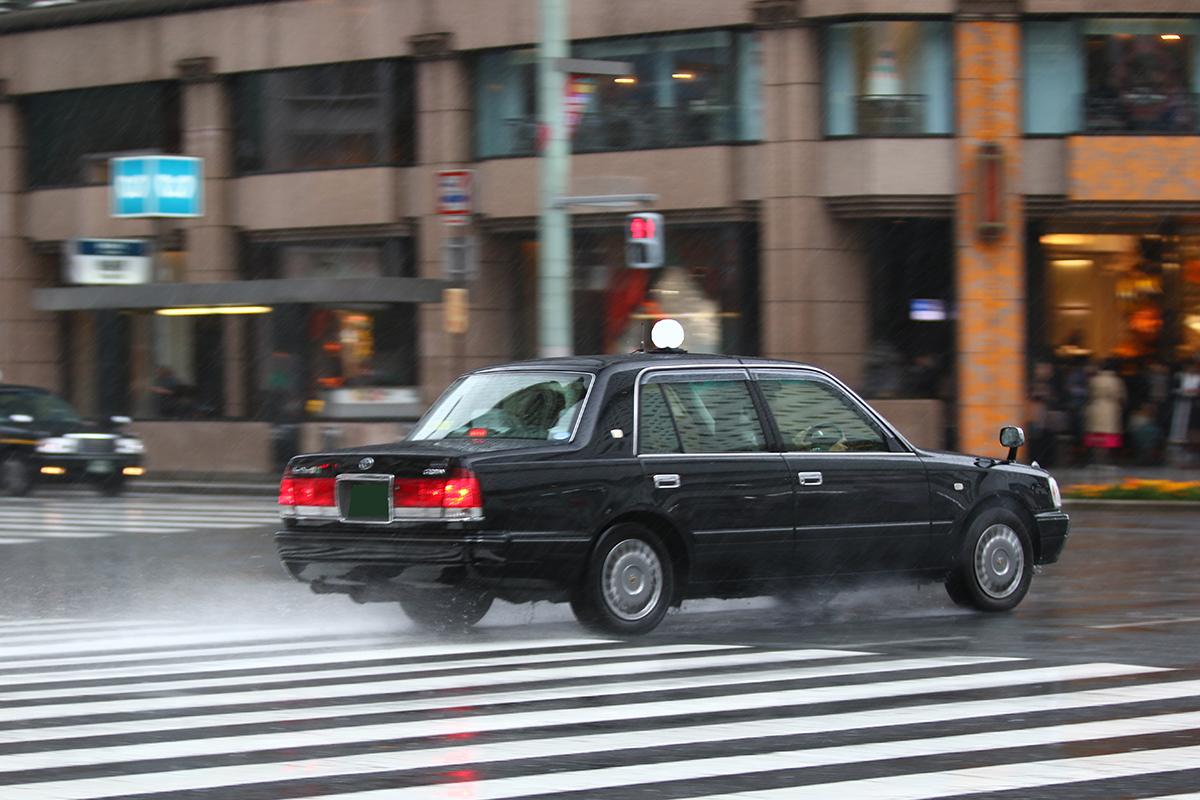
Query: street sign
156,186
455,310
108,261
459,258
455,195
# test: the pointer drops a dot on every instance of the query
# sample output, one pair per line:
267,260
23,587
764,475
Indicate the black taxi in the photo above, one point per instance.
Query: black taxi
626,484
43,439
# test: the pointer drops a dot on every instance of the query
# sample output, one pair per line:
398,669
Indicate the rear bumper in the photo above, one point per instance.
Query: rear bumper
350,561
1053,530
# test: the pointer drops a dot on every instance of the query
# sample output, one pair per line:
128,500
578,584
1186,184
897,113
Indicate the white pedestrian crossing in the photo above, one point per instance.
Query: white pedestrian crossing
230,712
70,516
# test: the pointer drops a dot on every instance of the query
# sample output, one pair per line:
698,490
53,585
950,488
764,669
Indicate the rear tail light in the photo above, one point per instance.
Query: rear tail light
307,492
460,490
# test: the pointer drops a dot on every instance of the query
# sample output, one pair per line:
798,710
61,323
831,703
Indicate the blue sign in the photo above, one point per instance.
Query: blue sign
157,186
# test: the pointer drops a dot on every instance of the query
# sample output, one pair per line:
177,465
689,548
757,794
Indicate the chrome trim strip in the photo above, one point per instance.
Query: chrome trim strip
764,454
368,477
859,454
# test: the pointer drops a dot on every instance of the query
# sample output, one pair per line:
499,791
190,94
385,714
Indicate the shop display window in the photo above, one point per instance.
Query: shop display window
888,78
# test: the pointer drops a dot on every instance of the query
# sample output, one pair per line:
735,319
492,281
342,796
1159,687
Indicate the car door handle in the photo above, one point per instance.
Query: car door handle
666,482
810,478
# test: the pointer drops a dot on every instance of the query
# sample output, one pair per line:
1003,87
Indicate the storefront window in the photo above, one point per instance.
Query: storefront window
685,89
888,78
71,135
335,115
1110,76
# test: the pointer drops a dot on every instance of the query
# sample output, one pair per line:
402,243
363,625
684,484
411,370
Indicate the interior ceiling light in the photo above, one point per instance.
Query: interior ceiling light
1170,37
1070,263
1065,239
683,76
203,311
626,79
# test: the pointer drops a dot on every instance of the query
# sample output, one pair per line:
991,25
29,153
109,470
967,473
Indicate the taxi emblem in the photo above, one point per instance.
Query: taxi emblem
366,463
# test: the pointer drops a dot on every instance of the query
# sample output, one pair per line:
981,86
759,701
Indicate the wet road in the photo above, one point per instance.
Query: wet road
152,646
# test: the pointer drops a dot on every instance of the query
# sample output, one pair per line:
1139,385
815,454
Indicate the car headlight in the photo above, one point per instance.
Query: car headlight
58,444
1055,494
130,446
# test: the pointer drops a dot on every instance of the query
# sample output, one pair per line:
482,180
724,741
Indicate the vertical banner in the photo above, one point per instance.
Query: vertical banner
578,92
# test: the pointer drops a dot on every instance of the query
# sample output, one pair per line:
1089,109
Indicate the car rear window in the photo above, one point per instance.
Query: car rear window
537,406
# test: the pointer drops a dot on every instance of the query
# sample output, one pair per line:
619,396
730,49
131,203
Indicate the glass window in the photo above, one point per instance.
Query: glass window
1141,75
334,115
1053,68
540,406
888,78
815,417
685,89
71,135
707,414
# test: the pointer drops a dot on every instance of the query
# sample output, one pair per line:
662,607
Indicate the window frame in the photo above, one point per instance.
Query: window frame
738,373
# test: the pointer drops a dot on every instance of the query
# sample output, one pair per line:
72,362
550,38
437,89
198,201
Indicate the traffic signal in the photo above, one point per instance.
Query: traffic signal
644,240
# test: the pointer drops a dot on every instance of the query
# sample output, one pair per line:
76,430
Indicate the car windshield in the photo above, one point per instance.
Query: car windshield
43,407
541,406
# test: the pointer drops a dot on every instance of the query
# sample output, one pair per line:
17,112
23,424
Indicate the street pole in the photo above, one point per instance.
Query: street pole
555,336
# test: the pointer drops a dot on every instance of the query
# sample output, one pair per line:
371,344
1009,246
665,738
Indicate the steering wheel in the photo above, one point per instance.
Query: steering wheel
821,438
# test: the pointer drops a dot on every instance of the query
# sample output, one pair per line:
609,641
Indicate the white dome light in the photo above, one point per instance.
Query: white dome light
667,334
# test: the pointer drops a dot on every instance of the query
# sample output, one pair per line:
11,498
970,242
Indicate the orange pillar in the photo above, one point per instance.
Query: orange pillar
990,270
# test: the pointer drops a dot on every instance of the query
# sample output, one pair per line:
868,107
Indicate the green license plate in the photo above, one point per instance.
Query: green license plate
367,501
100,467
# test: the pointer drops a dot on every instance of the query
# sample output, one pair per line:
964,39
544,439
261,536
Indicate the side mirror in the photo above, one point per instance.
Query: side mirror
1013,438
120,420
24,419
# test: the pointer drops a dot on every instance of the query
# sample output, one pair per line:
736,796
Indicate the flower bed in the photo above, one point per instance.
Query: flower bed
1136,489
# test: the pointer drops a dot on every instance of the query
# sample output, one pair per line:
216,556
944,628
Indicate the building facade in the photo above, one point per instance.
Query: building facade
924,196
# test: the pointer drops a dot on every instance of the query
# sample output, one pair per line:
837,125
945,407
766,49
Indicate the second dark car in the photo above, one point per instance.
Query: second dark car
626,484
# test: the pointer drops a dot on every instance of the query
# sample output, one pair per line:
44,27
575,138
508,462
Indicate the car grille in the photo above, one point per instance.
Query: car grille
96,447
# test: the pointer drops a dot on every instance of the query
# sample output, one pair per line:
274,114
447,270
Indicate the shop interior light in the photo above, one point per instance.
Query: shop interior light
1170,37
683,76
625,79
203,311
1065,239
1072,263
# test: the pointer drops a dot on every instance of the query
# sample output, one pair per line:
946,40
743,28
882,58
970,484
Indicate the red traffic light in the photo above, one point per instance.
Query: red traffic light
641,227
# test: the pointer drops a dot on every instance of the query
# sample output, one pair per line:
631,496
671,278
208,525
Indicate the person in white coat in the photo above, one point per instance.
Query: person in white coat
1105,410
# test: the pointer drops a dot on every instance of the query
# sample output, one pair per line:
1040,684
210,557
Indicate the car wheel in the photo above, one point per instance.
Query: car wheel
446,609
629,583
995,563
16,477
111,487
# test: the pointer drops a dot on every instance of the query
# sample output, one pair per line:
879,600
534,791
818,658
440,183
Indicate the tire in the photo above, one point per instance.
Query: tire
995,564
629,583
16,477
446,609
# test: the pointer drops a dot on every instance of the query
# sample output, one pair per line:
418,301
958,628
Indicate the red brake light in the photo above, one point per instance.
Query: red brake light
462,491
287,492
477,433
312,492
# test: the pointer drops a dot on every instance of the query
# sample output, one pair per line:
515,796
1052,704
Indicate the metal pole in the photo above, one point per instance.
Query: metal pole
554,231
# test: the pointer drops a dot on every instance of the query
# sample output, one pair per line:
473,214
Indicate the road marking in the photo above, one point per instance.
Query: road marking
1145,623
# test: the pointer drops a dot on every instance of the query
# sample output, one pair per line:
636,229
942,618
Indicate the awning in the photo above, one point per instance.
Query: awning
230,293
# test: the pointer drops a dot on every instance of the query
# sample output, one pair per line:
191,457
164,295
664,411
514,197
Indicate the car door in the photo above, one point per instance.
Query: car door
703,446
862,497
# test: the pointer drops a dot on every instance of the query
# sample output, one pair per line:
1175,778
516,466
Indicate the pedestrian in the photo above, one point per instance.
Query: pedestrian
1105,408
1185,421
166,391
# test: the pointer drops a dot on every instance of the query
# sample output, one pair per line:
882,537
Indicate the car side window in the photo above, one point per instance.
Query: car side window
699,414
815,417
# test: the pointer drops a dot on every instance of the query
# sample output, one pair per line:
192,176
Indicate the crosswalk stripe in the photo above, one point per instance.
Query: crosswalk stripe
925,786
342,657
341,672
97,522
69,627
25,638
75,646
14,540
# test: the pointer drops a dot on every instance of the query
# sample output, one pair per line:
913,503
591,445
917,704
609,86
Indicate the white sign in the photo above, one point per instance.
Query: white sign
108,261
455,195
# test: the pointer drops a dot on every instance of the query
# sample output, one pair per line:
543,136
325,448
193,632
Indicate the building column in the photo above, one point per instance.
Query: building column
444,142
990,268
813,288
28,339
211,240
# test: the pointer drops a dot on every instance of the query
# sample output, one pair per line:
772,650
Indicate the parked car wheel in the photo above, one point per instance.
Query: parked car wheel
995,563
16,477
629,583
446,609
